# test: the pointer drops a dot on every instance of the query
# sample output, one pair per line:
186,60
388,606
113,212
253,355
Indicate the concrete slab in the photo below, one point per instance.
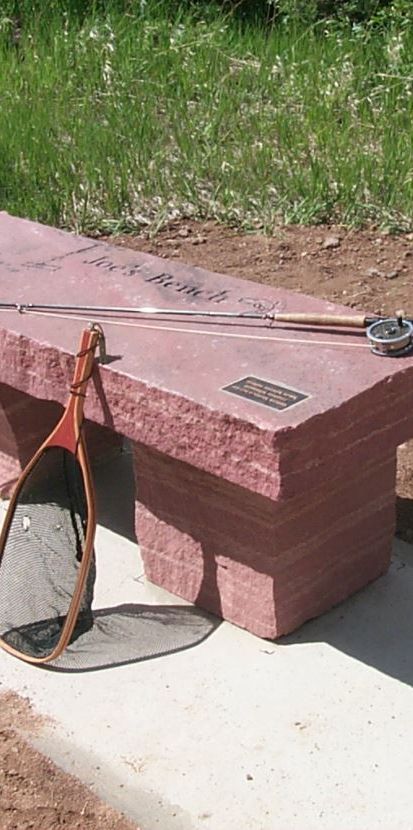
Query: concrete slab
313,733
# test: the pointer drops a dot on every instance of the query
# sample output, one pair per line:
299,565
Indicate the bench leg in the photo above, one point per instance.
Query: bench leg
266,566
24,424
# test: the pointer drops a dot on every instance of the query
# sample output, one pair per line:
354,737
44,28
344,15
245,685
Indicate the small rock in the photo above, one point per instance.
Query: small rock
374,272
409,236
249,777
199,240
331,242
391,275
183,232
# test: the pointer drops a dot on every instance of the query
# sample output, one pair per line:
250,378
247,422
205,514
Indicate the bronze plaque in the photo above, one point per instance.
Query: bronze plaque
274,395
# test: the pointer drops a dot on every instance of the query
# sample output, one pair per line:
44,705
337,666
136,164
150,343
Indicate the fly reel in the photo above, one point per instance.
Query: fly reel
391,337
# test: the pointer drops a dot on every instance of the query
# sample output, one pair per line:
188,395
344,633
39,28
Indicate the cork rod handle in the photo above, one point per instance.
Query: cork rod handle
355,320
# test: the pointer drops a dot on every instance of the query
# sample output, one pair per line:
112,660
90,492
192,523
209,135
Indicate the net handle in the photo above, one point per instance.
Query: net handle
84,366
66,433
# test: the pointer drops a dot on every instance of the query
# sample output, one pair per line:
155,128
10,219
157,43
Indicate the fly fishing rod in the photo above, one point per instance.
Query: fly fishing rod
356,320
388,336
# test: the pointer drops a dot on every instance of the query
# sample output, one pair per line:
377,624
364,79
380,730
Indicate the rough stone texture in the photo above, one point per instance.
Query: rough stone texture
265,565
25,422
319,476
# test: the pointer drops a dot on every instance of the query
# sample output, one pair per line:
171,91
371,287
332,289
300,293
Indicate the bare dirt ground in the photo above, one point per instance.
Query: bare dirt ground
366,270
34,793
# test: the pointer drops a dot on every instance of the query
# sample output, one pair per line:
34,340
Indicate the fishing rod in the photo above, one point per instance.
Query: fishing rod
389,336
305,318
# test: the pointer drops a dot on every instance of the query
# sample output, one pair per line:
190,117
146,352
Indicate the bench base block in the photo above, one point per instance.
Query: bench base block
265,566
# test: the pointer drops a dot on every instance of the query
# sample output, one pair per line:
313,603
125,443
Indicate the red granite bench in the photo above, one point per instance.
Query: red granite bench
265,469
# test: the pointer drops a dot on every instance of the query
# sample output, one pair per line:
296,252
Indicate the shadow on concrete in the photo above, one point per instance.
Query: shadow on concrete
115,493
131,633
404,517
375,625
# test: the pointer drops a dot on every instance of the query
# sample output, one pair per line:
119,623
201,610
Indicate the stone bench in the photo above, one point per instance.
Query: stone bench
265,468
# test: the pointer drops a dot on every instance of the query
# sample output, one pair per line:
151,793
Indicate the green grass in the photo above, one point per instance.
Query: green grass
123,121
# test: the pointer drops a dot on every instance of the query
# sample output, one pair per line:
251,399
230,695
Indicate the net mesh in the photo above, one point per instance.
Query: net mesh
42,554
131,633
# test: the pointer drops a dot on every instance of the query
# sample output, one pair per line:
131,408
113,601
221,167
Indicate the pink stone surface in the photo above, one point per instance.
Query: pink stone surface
303,499
25,422
266,566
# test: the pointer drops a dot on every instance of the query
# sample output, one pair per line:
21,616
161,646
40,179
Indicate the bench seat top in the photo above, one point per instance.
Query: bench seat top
248,410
